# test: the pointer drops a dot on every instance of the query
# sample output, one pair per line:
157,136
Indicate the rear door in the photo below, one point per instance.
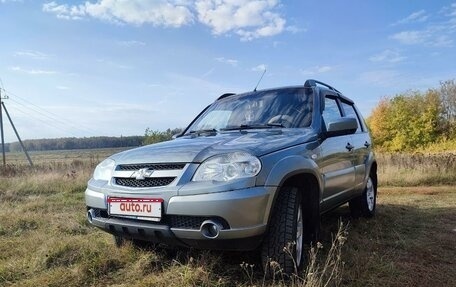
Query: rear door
361,143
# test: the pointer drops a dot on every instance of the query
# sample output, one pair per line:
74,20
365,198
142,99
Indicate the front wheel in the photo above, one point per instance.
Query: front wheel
365,204
283,243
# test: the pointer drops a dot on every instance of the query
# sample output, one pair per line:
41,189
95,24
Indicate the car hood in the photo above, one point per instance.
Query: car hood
198,148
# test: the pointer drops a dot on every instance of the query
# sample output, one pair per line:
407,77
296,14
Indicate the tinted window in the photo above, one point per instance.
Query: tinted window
351,113
331,112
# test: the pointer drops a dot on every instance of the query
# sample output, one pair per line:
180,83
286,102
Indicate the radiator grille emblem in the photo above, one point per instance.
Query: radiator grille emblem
142,174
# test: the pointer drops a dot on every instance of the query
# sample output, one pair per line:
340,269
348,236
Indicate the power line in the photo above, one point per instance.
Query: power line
43,114
48,114
50,124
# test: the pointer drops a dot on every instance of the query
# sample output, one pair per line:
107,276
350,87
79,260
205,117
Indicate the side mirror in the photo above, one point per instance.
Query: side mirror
343,126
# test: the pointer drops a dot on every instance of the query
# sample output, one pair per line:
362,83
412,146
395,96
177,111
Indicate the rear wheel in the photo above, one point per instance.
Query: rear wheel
365,204
283,243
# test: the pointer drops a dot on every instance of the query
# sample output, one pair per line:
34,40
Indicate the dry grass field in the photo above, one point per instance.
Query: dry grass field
46,241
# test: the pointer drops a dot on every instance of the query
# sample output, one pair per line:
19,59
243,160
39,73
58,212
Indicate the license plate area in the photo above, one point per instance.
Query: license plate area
136,208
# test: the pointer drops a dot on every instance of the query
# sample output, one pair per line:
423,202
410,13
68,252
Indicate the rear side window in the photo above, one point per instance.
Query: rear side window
350,112
331,112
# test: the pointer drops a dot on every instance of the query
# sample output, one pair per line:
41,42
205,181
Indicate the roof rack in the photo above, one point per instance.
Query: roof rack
225,96
313,83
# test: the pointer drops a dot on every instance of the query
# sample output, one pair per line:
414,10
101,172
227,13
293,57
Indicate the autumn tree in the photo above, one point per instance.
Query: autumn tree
448,97
407,121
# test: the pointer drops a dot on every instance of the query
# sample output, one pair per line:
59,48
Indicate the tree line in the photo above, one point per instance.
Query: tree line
154,136
76,143
415,120
150,137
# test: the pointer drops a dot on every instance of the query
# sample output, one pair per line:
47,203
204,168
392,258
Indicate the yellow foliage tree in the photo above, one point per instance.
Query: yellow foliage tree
408,121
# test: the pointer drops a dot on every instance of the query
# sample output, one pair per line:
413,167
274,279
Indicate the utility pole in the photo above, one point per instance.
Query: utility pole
1,128
3,107
17,134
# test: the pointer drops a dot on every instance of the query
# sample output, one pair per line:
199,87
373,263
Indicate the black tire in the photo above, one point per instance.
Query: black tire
365,204
282,233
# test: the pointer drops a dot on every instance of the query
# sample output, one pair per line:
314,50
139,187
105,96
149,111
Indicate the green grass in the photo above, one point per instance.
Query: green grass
46,241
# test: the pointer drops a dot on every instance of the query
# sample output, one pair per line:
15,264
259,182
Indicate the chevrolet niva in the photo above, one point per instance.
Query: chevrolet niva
253,171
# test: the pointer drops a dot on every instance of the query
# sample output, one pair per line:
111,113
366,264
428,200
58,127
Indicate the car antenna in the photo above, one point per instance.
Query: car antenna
264,72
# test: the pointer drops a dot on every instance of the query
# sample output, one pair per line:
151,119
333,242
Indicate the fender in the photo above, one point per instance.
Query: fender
292,165
286,168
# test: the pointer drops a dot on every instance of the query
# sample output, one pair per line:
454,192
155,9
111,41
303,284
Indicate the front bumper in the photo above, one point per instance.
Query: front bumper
244,214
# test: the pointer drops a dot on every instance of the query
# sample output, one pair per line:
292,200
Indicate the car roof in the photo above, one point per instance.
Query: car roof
320,86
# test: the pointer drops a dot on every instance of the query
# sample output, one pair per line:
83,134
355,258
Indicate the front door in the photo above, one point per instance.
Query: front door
336,160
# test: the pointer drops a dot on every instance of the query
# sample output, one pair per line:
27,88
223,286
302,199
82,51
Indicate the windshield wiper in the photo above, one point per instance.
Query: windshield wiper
278,125
251,127
203,131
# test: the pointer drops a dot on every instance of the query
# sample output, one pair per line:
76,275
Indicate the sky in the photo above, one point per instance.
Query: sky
117,67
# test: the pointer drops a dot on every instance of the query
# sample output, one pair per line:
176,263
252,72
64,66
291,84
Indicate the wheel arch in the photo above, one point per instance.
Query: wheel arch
372,171
308,185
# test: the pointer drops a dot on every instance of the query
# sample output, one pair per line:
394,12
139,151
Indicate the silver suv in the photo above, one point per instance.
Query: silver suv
253,170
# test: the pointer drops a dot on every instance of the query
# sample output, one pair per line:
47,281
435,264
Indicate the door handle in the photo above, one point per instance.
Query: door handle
366,144
349,147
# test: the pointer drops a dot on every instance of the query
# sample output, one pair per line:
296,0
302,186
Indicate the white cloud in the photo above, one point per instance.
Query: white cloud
166,13
294,29
64,11
411,37
31,54
248,19
390,56
439,33
434,36
114,64
442,41
316,70
131,43
418,16
449,11
231,62
259,68
32,71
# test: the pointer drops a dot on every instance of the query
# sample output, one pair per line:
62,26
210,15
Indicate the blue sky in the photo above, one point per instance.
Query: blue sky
113,67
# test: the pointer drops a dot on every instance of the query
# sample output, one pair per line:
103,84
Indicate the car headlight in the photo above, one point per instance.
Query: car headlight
227,167
103,171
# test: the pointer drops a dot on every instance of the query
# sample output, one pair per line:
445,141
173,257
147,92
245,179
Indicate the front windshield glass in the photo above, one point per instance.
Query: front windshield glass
288,108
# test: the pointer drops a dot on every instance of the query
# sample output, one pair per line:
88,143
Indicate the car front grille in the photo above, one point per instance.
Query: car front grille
147,182
144,175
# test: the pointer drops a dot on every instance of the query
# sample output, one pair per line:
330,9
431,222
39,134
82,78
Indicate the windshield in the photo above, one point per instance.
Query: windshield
289,108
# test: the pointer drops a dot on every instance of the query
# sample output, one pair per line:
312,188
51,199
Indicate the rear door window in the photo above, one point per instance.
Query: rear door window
350,112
